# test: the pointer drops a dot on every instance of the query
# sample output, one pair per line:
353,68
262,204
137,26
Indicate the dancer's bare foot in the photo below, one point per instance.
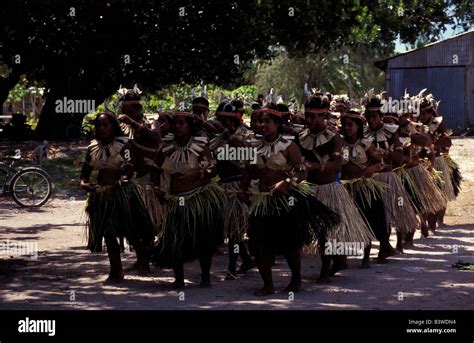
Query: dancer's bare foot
140,269
114,279
266,290
177,285
424,232
230,276
323,279
293,286
337,267
205,282
399,249
244,267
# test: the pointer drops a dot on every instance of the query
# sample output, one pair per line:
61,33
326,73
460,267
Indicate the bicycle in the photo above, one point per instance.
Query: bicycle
29,187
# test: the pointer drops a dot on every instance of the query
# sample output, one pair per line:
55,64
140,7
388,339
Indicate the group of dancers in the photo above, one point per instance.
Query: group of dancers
327,174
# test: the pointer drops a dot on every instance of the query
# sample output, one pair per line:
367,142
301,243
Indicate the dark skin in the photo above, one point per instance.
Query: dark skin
107,177
270,179
316,173
316,122
201,112
181,183
412,157
352,171
227,169
163,124
254,125
133,115
274,180
396,156
442,143
228,126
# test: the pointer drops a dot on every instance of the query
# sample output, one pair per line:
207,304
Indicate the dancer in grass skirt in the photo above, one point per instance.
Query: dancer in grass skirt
114,208
399,211
193,223
360,161
449,174
283,215
144,140
321,148
230,168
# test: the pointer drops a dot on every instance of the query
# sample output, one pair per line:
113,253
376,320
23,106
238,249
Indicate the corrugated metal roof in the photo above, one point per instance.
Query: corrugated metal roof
454,51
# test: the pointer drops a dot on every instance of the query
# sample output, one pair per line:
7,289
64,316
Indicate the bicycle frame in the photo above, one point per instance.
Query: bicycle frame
10,171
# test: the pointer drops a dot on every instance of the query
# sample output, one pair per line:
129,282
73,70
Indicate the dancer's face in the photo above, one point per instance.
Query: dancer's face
104,127
349,128
373,119
165,124
425,116
315,121
181,127
226,122
254,122
201,112
267,125
403,121
134,111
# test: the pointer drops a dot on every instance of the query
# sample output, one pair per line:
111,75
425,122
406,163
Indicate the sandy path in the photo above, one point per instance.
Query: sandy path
66,276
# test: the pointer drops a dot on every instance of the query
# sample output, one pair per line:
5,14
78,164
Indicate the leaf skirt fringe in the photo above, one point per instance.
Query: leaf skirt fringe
152,203
445,184
236,212
456,176
193,224
367,194
421,187
399,210
280,223
352,227
118,211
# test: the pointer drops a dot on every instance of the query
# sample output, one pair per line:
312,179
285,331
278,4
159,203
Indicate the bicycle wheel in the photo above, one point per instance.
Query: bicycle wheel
31,187
3,181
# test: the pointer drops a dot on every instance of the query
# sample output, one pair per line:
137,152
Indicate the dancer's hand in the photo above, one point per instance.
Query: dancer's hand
281,187
312,166
125,119
88,187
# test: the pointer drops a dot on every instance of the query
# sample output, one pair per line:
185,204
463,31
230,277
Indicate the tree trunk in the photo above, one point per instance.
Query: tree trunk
67,126
6,84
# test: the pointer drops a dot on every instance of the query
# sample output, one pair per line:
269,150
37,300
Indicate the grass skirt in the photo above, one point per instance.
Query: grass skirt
280,223
367,194
421,187
236,212
399,209
445,183
193,223
456,176
117,211
352,227
152,204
